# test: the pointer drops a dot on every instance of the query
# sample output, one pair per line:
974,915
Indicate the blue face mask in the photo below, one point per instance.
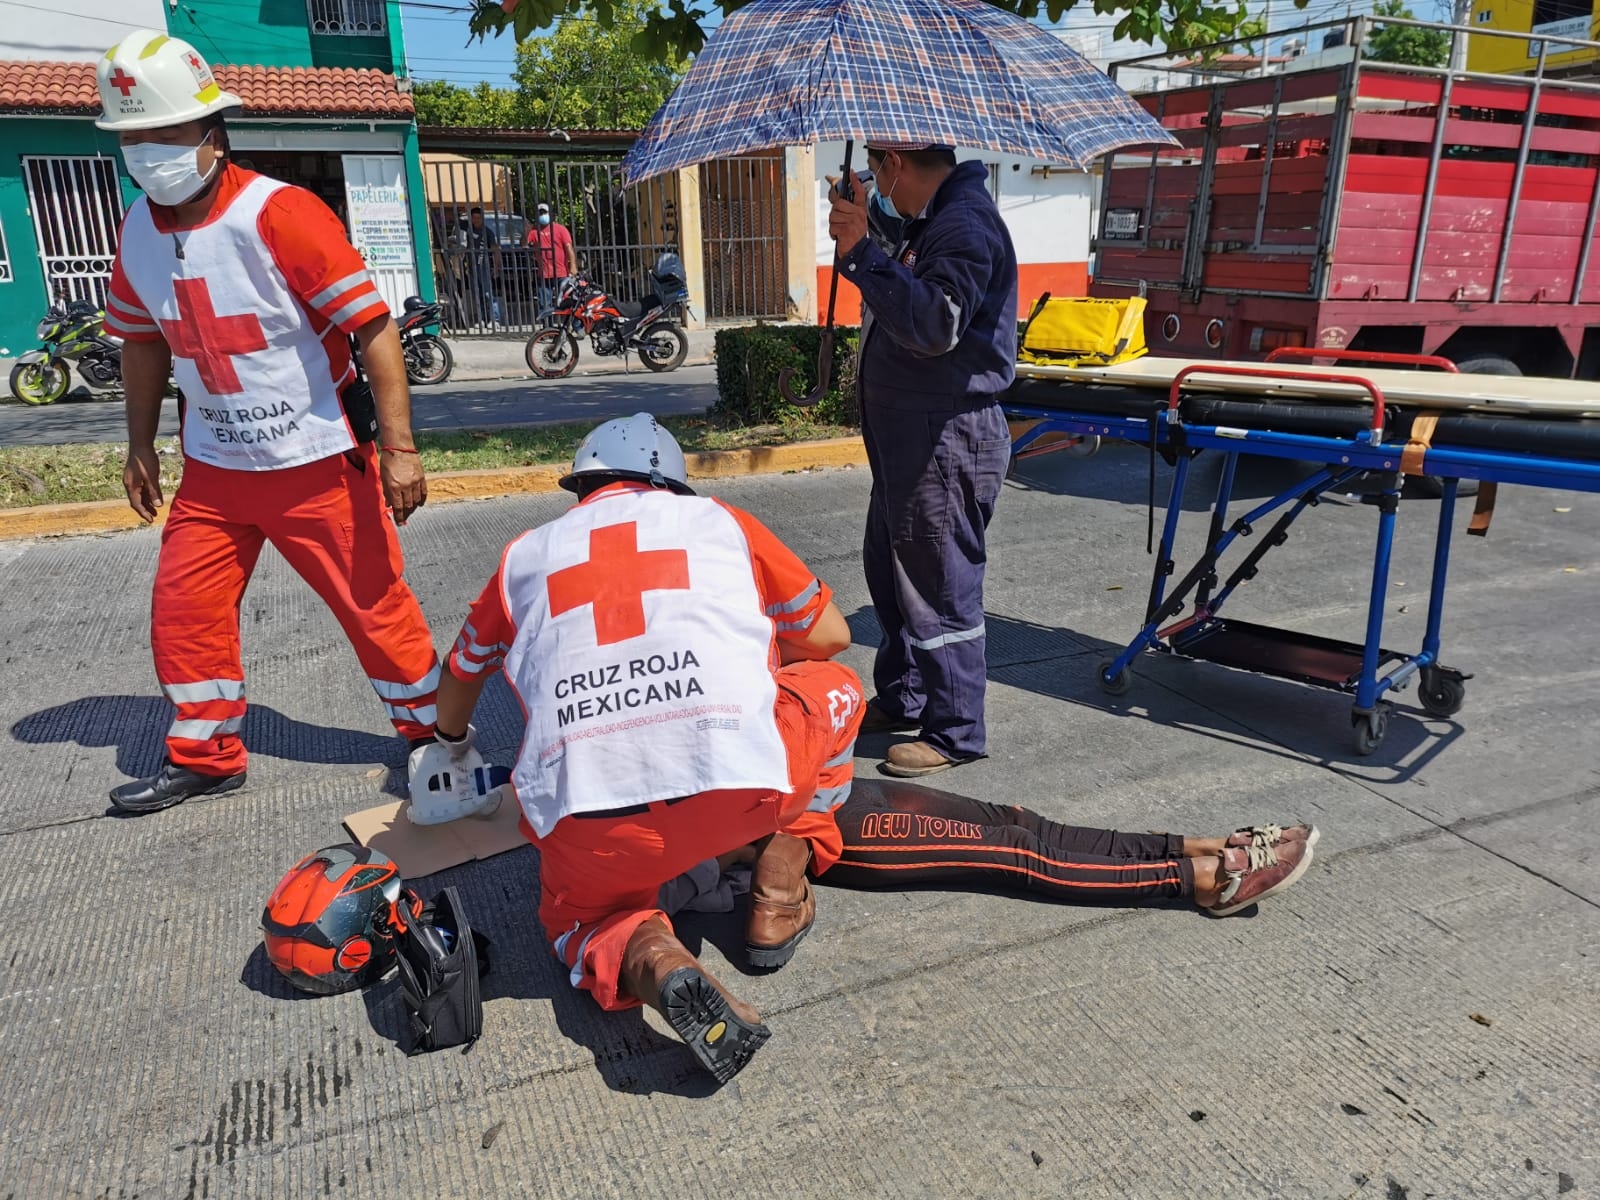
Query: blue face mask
881,202
544,218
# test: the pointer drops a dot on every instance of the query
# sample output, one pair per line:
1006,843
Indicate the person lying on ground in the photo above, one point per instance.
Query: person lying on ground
905,835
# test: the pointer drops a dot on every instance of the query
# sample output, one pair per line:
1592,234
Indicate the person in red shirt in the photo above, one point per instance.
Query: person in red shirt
249,292
555,257
672,659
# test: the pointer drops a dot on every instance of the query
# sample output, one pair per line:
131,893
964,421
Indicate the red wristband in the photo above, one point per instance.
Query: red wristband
402,450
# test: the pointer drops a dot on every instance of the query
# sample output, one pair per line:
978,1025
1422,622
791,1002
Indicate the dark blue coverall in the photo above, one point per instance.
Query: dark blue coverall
939,345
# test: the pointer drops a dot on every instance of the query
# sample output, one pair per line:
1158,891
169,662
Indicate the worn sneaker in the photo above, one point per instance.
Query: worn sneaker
1257,871
1271,835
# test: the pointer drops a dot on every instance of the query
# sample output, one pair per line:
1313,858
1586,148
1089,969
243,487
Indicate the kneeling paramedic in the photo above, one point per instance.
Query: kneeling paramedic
248,291
670,655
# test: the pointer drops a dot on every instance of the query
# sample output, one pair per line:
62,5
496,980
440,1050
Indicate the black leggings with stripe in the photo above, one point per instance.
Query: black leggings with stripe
897,834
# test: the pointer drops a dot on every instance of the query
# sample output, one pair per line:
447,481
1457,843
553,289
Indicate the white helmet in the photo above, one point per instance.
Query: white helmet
149,81
631,448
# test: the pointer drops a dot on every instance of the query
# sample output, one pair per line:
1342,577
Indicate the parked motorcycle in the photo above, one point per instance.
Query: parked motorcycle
71,332
428,359
647,326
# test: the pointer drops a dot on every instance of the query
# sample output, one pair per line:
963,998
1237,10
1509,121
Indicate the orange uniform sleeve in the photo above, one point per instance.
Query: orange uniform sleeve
485,637
126,315
791,594
323,269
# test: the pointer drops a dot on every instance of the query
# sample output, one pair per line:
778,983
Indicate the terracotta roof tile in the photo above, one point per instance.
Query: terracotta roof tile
68,88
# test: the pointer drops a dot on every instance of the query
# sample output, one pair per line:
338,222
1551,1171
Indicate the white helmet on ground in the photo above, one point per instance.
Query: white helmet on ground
633,447
150,81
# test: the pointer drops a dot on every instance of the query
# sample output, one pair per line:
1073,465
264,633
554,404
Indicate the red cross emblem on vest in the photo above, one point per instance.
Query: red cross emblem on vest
614,581
210,341
122,81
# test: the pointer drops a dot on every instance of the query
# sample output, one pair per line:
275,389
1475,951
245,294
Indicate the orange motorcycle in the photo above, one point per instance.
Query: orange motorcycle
647,327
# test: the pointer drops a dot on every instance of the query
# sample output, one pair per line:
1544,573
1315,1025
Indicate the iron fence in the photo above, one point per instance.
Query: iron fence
743,213
494,278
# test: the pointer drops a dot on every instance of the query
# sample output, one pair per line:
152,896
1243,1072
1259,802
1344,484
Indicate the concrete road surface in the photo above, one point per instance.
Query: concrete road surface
486,405
1418,1018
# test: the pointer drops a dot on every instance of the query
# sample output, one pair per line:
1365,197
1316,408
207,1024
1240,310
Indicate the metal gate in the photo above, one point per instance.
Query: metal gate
743,213
77,211
493,278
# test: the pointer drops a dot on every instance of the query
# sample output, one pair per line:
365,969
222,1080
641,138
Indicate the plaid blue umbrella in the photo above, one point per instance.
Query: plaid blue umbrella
942,72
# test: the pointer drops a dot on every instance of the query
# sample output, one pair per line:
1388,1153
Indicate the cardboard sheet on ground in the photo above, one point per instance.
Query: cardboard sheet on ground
419,850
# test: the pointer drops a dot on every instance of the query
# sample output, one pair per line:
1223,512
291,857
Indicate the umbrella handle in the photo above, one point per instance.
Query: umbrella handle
825,346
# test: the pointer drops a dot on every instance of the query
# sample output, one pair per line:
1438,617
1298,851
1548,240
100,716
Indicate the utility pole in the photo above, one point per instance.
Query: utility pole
1458,41
1266,34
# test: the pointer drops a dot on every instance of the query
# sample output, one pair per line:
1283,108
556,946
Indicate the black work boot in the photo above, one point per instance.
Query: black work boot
721,1031
171,785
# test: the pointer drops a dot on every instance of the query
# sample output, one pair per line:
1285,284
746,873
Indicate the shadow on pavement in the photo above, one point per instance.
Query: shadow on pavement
1265,715
501,898
134,724
1120,472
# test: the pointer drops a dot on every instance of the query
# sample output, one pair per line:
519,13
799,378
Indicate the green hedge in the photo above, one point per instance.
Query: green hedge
751,358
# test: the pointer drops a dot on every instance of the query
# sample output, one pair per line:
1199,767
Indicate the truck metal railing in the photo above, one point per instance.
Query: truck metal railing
1349,58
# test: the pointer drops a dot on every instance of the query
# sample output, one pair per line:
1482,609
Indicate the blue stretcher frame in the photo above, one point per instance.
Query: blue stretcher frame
1342,459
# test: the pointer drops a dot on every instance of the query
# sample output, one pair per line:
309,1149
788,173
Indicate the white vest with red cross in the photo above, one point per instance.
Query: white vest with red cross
257,384
643,657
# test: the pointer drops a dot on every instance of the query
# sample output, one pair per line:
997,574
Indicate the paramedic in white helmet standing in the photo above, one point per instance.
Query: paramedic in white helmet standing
248,291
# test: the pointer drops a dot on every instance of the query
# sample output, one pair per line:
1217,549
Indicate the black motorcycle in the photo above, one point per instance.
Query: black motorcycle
647,326
428,359
72,333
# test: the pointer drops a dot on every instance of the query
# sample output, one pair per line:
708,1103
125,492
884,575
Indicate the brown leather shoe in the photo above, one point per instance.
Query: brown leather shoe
782,905
721,1032
879,720
910,759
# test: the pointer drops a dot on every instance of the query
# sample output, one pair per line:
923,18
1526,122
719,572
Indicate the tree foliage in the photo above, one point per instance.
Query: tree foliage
673,31
582,76
588,76
481,107
1403,43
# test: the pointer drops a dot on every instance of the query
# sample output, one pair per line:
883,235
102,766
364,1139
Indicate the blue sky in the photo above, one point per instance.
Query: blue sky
436,40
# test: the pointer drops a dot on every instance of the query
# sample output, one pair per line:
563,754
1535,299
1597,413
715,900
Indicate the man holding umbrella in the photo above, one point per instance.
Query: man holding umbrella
938,346
916,77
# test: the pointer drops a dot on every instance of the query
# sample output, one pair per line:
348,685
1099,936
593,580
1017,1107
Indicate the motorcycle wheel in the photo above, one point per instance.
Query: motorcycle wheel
41,382
552,354
428,360
663,348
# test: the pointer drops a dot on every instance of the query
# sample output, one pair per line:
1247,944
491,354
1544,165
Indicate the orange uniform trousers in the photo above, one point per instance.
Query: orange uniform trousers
329,521
600,873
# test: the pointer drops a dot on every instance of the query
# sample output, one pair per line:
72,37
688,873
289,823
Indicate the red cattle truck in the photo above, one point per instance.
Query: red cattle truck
1344,202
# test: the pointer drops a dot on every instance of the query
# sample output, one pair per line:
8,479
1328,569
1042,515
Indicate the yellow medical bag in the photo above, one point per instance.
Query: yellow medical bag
1067,331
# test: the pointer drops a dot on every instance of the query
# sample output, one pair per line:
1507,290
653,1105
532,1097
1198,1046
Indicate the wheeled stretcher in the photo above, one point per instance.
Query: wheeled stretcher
1377,424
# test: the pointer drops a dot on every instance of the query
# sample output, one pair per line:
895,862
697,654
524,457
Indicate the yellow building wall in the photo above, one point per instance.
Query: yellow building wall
1512,56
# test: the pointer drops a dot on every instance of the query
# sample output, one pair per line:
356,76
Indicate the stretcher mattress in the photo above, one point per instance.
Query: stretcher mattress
1433,390
1525,434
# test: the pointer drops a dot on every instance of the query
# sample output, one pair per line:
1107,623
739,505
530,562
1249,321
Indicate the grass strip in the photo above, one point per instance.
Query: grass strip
32,475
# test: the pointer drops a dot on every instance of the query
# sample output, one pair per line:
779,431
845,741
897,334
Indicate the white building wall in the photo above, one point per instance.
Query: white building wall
82,35
1049,213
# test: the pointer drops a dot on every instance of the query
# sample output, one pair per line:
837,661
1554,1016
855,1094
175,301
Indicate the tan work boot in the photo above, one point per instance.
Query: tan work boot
911,759
720,1031
782,905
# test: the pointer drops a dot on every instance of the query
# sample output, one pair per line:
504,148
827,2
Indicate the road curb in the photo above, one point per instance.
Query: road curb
110,516
605,371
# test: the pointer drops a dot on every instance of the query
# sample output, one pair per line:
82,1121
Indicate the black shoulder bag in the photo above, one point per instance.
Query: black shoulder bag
441,958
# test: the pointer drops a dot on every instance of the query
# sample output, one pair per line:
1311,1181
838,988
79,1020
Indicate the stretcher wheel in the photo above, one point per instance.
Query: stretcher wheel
1442,694
1113,685
1370,728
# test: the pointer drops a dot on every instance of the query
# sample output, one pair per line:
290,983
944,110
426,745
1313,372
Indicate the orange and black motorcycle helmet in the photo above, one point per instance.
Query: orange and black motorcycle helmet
329,921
